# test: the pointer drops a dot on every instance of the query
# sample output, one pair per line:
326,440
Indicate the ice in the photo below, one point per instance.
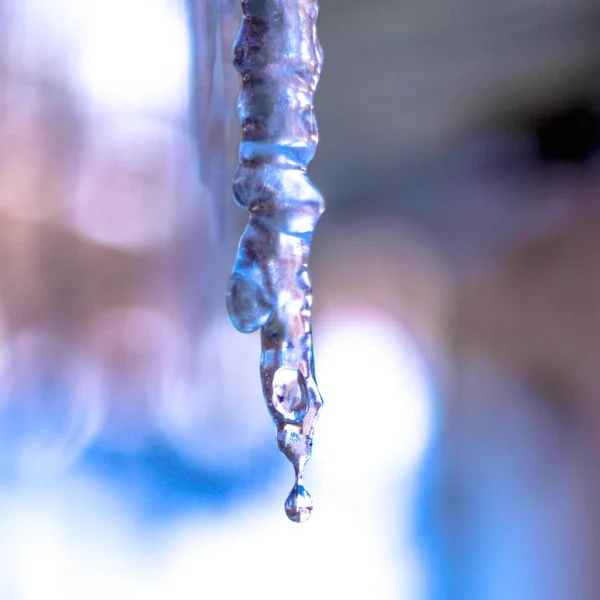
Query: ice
279,58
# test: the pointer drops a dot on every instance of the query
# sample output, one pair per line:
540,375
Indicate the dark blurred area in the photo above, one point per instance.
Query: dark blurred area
456,308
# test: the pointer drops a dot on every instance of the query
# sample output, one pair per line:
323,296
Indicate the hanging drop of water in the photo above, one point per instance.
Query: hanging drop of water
299,504
290,396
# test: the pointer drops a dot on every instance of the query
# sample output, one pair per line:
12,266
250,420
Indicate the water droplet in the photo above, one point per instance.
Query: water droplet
290,396
248,307
299,504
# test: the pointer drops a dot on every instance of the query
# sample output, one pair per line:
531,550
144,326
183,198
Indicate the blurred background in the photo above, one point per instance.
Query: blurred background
456,315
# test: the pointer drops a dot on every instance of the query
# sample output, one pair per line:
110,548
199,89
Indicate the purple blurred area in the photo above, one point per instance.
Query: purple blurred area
456,308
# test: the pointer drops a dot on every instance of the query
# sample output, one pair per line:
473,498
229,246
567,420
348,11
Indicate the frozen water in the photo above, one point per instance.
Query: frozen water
299,504
279,57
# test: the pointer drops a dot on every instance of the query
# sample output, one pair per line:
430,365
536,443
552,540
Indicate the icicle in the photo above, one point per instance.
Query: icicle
279,57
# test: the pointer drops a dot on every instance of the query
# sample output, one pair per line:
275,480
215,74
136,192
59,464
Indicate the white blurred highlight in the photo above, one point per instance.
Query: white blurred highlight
128,55
135,54
377,393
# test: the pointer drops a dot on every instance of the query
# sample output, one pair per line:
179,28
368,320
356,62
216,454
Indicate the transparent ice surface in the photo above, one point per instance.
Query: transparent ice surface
279,58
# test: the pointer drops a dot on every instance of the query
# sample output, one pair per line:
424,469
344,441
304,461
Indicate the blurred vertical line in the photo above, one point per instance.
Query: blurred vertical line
212,25
209,247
